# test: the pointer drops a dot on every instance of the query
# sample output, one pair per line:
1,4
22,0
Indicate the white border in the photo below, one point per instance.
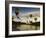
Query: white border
25,32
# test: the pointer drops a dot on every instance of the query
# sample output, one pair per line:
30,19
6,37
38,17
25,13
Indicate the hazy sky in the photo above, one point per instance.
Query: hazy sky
24,10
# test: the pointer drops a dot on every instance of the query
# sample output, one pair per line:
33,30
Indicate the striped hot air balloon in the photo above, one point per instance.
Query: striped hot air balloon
17,13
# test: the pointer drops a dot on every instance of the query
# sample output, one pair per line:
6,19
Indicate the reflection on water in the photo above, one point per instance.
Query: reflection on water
23,27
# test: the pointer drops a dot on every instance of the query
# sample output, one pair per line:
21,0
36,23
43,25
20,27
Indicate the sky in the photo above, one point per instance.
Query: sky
25,10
